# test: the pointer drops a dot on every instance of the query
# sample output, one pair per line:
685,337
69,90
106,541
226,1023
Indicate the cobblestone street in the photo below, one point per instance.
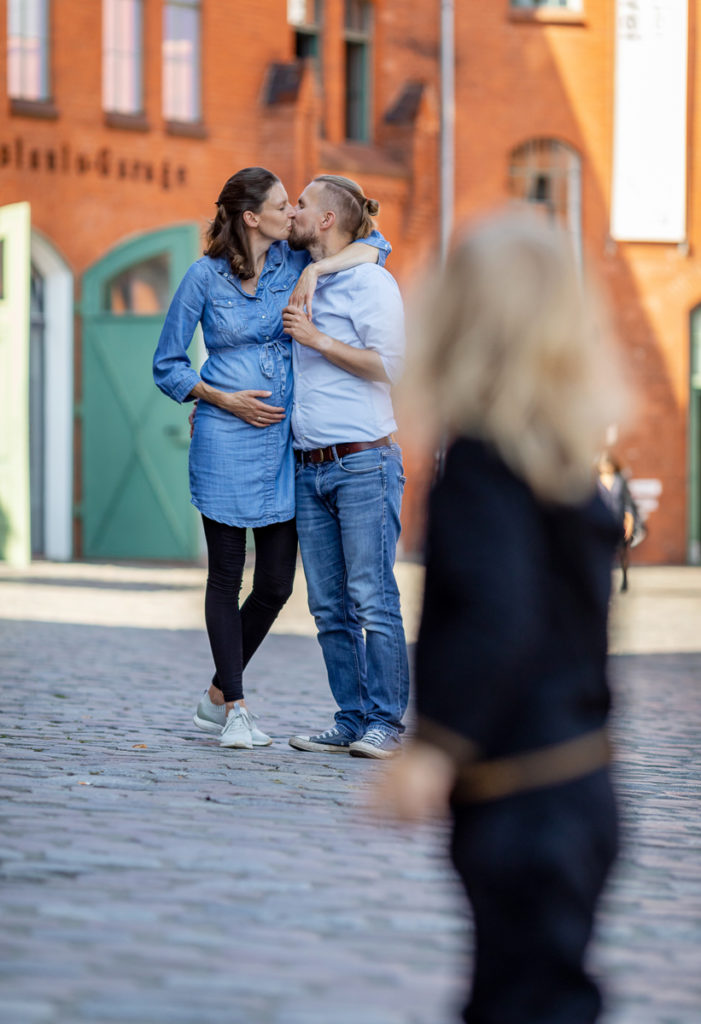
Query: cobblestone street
150,877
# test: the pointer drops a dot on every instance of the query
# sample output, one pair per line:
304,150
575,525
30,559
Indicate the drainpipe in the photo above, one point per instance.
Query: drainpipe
447,142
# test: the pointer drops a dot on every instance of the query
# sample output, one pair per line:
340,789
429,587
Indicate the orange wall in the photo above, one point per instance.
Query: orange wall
516,78
526,78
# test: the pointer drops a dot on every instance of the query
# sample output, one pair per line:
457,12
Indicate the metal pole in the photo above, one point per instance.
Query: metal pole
447,143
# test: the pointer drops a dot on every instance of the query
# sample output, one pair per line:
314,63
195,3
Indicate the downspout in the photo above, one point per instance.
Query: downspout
447,141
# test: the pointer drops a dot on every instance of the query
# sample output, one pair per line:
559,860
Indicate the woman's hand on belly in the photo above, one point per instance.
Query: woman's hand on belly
246,405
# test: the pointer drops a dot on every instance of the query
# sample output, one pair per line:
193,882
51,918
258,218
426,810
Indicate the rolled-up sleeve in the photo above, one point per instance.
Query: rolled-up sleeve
379,242
172,369
378,317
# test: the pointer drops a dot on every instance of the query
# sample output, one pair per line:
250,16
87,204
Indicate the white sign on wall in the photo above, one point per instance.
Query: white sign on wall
649,137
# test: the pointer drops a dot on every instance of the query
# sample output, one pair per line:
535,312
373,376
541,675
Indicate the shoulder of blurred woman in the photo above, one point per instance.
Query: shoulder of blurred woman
471,456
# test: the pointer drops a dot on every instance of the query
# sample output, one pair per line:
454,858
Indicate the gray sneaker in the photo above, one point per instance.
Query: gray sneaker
378,741
212,718
333,741
209,716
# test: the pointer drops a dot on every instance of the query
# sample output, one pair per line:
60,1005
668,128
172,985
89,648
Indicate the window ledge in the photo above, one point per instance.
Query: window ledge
128,122
189,129
33,108
358,157
547,16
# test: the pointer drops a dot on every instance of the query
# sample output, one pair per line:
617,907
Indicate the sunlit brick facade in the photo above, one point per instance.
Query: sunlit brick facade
120,122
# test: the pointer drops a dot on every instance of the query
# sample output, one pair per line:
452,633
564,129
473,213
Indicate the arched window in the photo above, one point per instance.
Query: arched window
548,173
142,289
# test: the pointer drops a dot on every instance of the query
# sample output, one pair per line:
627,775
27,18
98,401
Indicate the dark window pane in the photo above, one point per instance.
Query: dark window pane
306,45
356,91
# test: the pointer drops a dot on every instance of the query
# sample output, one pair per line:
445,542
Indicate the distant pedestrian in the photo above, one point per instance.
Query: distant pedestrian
511,687
617,493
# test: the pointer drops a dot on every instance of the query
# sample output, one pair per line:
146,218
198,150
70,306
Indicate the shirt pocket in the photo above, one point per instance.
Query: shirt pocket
280,291
231,317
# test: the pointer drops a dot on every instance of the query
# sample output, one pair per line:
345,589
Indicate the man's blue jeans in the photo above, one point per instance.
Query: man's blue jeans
348,527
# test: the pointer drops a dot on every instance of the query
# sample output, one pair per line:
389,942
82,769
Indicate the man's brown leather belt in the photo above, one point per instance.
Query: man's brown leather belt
333,451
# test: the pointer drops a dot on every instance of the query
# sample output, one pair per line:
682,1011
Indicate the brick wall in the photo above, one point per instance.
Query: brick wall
91,185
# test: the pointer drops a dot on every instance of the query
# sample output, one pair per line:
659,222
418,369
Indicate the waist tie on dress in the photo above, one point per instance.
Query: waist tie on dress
271,353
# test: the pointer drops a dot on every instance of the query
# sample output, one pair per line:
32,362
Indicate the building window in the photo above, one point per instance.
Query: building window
305,16
181,60
563,5
548,174
28,49
358,33
122,56
142,289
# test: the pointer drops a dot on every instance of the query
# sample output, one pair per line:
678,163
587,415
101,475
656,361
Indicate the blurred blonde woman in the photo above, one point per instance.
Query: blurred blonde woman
511,688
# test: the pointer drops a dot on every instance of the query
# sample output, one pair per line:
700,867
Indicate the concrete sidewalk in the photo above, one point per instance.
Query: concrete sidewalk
150,877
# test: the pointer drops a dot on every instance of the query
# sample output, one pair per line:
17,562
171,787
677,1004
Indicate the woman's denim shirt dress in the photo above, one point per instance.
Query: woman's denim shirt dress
239,474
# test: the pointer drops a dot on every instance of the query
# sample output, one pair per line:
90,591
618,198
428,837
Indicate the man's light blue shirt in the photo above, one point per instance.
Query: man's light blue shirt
363,308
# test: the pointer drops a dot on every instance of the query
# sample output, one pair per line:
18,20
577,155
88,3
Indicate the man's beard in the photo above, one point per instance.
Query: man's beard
297,241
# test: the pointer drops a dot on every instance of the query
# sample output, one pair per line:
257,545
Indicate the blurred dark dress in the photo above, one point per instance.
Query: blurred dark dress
511,680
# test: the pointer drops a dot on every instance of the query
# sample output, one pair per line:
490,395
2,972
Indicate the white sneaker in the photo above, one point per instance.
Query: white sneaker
260,738
212,718
237,729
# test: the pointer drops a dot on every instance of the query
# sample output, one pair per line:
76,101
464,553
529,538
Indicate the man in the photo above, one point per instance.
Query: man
349,478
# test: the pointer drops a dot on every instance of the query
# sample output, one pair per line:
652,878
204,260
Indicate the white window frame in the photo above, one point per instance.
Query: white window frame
182,60
28,41
123,56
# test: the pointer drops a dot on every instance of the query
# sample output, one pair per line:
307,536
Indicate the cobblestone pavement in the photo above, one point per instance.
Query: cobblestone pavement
150,877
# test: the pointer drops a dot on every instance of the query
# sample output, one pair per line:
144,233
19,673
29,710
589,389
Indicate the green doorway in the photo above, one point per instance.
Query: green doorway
135,494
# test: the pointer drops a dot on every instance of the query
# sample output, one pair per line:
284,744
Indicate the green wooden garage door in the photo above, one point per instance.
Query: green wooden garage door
135,496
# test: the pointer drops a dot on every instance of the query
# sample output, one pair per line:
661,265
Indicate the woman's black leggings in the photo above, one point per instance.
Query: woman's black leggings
235,634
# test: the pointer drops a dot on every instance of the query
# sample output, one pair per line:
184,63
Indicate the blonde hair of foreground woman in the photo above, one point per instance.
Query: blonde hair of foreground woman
514,349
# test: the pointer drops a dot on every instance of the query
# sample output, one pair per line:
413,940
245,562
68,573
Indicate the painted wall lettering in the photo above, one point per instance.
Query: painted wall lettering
63,159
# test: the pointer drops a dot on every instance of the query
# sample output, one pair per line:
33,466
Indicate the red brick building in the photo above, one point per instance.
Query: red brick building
119,122
120,119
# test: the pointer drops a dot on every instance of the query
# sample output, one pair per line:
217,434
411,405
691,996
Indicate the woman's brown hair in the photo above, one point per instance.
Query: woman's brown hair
246,190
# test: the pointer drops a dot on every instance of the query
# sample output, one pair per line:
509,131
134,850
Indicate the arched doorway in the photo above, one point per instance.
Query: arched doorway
135,498
50,402
36,393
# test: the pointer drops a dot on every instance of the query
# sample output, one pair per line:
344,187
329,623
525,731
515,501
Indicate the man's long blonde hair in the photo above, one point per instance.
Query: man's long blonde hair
516,351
